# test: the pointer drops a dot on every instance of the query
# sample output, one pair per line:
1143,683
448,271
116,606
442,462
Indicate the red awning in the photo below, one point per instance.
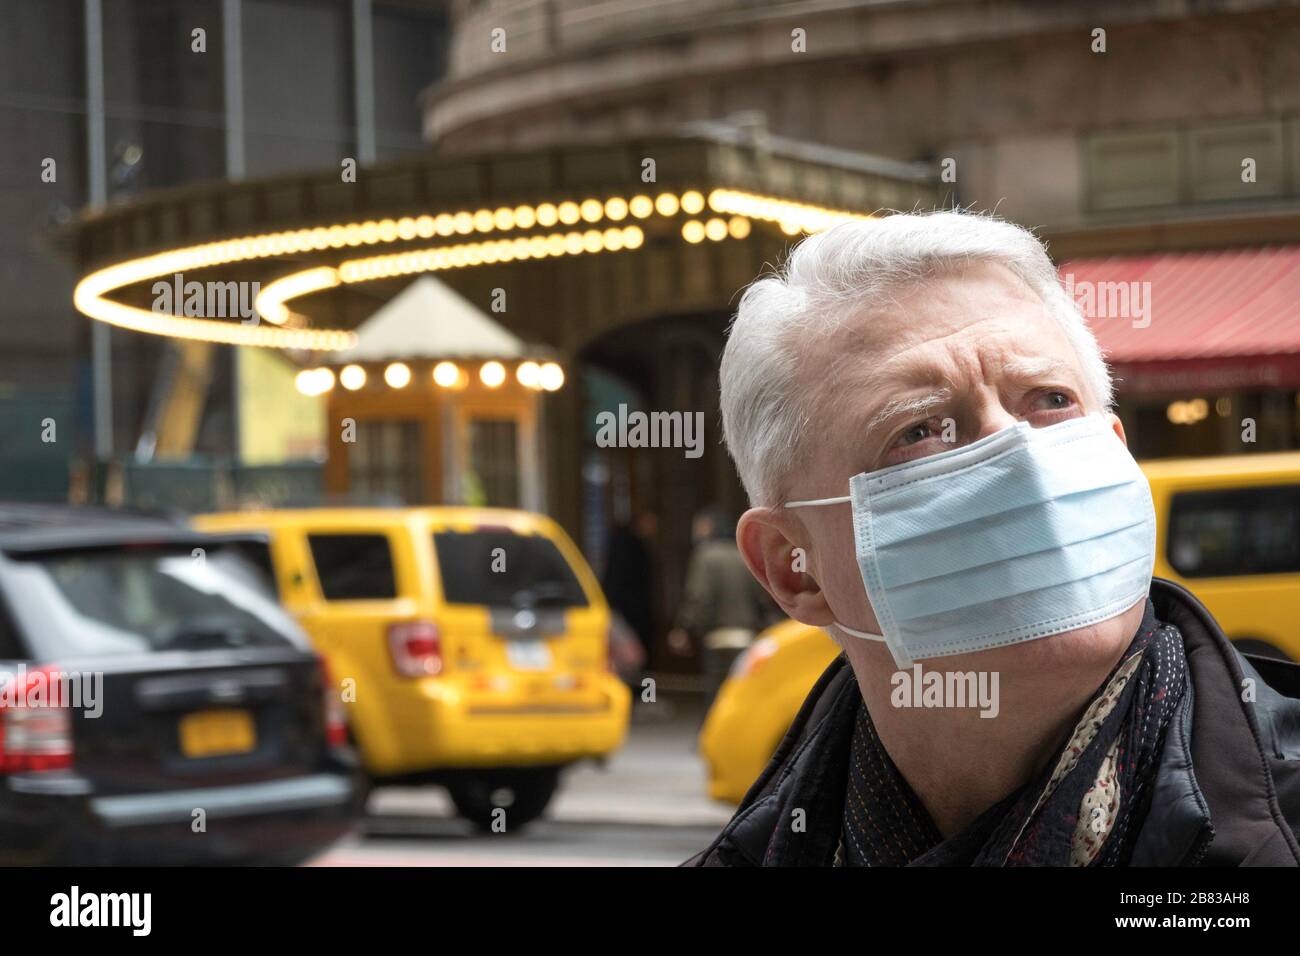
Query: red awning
1177,322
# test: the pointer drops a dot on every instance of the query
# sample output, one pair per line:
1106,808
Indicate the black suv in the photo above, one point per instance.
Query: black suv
156,704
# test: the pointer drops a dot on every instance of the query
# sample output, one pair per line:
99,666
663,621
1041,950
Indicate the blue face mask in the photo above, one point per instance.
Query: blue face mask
1023,534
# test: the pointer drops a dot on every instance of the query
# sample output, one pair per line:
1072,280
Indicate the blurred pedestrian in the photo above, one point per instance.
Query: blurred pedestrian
723,607
629,578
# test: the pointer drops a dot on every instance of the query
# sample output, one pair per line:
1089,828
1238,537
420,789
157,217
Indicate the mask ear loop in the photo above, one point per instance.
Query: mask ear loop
900,658
815,502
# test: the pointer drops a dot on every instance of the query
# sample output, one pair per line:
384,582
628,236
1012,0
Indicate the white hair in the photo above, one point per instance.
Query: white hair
835,274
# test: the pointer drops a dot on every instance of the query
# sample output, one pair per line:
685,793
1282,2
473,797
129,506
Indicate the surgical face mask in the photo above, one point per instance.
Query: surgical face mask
1026,533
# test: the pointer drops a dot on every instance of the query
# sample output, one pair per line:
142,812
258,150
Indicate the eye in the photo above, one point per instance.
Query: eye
915,433
915,441
1052,400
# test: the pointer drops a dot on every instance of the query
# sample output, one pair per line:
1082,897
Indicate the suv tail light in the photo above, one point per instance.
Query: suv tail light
416,647
336,725
36,738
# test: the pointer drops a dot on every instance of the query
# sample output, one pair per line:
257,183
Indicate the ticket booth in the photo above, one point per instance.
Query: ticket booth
436,403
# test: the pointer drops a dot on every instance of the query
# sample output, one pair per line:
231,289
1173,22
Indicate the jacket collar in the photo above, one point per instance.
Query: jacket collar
1213,800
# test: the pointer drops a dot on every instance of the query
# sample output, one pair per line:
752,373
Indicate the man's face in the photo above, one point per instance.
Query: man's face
953,359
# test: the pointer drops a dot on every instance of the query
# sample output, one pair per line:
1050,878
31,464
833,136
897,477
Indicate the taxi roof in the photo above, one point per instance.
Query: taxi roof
437,516
1281,464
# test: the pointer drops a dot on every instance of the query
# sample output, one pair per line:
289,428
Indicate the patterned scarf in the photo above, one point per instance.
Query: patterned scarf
1085,808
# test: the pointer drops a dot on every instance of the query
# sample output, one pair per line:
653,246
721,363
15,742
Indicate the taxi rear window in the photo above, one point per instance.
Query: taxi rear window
1235,532
499,568
353,567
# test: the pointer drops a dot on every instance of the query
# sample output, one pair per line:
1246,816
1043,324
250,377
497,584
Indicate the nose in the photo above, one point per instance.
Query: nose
991,417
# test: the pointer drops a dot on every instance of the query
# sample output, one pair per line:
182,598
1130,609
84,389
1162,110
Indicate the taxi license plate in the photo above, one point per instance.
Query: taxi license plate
528,655
216,733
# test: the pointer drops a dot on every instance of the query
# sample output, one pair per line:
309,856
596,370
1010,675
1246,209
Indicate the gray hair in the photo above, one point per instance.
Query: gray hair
832,275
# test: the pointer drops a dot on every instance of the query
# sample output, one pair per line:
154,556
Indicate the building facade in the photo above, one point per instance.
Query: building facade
1117,129
102,101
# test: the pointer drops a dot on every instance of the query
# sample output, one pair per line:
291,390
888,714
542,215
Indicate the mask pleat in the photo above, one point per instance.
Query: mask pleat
1015,533
1018,575
1038,613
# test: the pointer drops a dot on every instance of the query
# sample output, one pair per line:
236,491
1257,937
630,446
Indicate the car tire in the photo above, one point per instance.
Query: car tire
523,793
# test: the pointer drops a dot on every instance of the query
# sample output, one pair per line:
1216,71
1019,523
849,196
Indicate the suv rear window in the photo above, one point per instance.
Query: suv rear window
1237,532
156,598
504,569
353,567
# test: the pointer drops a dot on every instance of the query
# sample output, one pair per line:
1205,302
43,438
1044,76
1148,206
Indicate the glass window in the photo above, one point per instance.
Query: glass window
11,645
298,92
409,56
499,568
493,477
1242,531
132,599
353,567
258,568
42,103
384,463
164,101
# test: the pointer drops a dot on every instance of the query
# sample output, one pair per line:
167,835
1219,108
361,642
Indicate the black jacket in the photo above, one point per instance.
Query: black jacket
1226,793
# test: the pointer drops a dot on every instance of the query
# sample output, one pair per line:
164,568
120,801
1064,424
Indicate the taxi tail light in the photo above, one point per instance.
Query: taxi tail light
416,647
336,725
37,737
753,657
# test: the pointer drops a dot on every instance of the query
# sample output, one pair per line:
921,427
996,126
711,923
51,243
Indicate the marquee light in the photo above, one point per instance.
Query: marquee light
352,377
446,374
270,300
91,296
398,375
793,217
551,377
529,375
314,381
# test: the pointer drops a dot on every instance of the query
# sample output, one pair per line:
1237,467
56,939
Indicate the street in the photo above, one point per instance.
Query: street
646,807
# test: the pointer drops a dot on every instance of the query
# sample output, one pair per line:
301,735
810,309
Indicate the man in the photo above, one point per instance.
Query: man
722,607
922,421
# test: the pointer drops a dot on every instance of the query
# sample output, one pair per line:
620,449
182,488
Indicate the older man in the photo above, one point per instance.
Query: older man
922,421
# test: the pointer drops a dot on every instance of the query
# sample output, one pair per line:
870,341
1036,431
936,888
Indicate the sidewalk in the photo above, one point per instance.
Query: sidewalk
656,779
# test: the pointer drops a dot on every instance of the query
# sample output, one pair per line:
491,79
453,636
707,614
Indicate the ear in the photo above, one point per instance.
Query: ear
1118,426
774,546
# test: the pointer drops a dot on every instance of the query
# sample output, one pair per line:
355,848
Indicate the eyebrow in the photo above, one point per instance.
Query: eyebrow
907,406
1034,368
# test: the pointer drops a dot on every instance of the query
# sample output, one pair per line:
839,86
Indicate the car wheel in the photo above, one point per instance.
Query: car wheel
523,793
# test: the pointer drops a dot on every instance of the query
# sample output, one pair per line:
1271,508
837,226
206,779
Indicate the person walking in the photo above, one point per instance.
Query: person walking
723,607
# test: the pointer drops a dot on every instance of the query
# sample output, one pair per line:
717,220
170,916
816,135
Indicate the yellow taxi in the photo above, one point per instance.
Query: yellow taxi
757,703
469,645
1228,529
